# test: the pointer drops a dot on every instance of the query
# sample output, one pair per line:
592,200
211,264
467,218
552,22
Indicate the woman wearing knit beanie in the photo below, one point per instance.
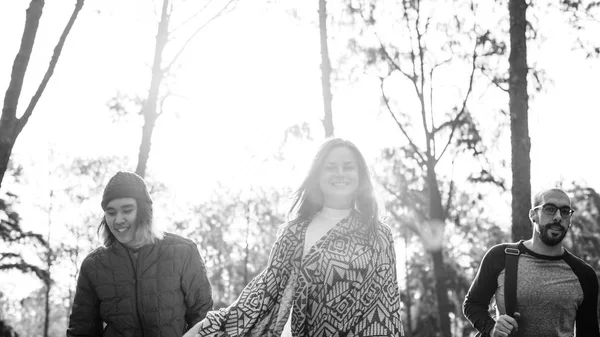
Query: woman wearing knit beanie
140,282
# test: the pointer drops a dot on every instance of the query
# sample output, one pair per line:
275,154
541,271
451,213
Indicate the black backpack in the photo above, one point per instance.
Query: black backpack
511,263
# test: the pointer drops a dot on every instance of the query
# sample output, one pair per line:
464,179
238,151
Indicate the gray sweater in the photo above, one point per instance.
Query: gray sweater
556,295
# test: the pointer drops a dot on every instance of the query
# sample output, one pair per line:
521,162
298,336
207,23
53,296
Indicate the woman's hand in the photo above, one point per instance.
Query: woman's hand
201,328
193,332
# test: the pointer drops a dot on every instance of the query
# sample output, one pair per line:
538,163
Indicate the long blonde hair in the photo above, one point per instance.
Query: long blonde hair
308,198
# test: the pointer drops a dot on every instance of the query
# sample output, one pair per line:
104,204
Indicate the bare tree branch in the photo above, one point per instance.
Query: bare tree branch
412,50
437,65
51,66
421,92
398,197
191,17
187,42
170,11
154,9
463,109
162,104
450,192
498,85
431,110
415,77
418,85
17,76
389,108
392,62
446,124
403,221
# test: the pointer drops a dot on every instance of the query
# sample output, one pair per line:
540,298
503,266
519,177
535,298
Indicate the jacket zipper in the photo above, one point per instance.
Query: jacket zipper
135,293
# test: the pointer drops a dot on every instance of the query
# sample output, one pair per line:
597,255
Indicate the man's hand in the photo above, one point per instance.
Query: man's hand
505,325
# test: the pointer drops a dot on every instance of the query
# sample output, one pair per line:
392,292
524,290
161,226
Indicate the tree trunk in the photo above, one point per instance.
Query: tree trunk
8,136
149,110
436,212
518,102
325,70
47,306
147,130
10,125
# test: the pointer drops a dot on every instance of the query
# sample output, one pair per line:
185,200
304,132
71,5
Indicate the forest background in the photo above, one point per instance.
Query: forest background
463,108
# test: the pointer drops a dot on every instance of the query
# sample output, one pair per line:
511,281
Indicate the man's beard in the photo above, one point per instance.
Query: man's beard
547,237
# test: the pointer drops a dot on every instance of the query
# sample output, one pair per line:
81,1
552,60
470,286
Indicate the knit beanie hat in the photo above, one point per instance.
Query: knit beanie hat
125,185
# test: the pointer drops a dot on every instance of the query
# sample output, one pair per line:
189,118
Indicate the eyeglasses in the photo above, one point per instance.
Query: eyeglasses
550,209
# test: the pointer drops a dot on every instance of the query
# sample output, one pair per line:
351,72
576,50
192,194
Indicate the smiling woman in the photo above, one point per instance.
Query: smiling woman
339,180
121,217
332,270
140,280
127,212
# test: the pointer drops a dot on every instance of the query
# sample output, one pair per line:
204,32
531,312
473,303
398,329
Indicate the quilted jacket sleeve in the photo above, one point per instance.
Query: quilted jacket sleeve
196,287
85,317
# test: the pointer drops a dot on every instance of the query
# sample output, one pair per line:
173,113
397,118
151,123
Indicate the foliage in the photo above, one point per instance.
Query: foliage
12,235
414,48
469,231
71,235
422,53
26,316
79,181
6,330
235,231
583,16
584,240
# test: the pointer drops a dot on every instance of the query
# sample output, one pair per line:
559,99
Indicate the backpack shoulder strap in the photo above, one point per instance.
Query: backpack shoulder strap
511,262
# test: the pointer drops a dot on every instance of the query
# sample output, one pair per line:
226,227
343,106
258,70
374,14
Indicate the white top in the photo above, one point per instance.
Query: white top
323,221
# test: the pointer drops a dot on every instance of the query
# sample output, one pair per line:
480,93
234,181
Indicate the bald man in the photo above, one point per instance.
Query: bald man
556,292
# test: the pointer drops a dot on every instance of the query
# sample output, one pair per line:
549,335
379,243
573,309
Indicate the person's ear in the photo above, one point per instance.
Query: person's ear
533,216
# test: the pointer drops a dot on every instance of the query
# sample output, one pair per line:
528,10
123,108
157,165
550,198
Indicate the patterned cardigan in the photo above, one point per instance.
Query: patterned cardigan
345,285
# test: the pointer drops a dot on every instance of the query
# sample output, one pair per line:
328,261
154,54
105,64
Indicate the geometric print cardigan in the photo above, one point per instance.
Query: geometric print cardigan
344,286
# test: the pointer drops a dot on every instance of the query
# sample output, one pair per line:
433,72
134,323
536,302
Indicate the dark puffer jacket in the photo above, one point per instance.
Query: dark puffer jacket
161,293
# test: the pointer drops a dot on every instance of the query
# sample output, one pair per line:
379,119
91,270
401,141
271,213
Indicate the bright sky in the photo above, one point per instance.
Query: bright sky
242,84
247,77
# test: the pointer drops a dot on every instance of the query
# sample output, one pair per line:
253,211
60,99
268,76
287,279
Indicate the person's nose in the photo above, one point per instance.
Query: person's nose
557,217
120,218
